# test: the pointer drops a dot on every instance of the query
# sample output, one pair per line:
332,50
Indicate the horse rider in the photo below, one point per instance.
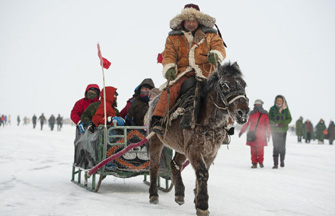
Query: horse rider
193,49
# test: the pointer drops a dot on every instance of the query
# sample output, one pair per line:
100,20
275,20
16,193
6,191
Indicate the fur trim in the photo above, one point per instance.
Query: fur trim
192,14
163,86
191,60
167,67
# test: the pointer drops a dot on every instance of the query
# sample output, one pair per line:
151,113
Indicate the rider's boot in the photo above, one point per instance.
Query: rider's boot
186,120
157,125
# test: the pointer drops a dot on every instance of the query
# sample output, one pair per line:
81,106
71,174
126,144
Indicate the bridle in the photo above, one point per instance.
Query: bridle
229,98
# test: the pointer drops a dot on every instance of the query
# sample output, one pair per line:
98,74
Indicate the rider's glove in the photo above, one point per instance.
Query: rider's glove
119,120
171,73
81,127
212,58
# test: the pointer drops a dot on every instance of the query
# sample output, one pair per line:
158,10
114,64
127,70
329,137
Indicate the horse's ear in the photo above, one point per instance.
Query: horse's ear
236,66
220,69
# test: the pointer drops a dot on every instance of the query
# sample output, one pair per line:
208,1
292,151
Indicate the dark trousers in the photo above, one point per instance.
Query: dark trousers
308,137
279,144
299,138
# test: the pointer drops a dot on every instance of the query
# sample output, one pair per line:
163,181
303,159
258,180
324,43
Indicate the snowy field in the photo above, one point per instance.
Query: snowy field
36,174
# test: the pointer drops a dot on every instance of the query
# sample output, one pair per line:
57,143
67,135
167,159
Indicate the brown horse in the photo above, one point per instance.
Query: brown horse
223,98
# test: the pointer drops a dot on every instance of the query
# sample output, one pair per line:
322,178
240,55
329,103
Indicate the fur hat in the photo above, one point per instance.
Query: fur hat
259,101
192,12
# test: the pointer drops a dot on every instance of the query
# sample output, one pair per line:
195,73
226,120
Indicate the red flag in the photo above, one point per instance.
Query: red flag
103,62
159,58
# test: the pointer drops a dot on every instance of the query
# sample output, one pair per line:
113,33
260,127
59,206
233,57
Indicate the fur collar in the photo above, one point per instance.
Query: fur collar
192,14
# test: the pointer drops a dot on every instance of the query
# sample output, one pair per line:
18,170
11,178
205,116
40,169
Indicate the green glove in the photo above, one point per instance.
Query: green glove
171,73
213,58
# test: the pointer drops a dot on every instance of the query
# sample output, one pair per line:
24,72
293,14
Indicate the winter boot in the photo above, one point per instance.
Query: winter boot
275,162
261,165
186,120
282,158
157,125
254,165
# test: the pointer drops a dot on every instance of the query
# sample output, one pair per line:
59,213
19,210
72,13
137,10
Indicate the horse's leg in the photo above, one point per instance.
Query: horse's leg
176,166
155,147
201,197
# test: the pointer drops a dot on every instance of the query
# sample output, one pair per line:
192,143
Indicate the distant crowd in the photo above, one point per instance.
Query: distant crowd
305,130
52,121
5,120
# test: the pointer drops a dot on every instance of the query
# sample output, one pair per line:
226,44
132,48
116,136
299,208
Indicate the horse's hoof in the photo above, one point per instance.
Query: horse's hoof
154,200
179,200
202,212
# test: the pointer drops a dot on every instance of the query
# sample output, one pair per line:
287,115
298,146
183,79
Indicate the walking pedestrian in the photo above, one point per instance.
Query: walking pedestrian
280,117
258,122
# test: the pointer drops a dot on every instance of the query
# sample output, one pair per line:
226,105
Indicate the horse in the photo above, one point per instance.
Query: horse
223,97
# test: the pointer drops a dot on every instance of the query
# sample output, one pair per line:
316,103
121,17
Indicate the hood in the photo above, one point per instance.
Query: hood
110,91
192,14
91,86
258,109
148,82
284,101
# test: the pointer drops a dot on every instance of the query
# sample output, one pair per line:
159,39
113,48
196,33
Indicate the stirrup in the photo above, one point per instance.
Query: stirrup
158,130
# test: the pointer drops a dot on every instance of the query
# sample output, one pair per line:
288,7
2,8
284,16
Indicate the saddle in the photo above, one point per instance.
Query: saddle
187,104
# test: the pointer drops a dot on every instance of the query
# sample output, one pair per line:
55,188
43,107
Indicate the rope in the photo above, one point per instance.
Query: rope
119,154
167,108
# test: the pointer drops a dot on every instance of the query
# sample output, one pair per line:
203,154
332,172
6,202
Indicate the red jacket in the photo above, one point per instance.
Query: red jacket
99,117
80,106
263,130
124,111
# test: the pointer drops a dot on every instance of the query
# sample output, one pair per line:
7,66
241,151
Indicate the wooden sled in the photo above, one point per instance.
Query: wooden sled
135,162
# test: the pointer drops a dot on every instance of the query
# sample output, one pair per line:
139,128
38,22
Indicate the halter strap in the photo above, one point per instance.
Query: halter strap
225,99
237,97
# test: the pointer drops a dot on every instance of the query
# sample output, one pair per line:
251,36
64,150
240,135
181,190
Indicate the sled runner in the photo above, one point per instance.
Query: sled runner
93,148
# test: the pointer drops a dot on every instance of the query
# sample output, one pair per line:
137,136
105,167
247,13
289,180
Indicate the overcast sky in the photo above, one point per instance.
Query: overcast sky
48,51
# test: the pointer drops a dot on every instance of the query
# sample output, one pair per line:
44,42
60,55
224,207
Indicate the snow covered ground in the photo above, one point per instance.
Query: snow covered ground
36,173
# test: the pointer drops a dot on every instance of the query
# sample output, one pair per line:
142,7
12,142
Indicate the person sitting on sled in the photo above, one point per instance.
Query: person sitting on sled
86,117
112,112
91,95
192,49
140,105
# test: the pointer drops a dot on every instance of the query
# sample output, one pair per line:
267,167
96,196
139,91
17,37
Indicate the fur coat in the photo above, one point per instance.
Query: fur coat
187,51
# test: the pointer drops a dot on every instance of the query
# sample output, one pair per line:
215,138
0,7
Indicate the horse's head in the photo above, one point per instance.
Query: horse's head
230,88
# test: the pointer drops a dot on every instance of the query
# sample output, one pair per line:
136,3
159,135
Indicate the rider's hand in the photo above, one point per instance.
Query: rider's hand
81,127
171,73
213,58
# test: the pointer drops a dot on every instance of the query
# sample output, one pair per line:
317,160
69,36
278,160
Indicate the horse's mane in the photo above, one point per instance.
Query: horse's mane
228,70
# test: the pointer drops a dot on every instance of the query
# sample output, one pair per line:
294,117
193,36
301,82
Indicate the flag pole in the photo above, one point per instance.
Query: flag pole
103,83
